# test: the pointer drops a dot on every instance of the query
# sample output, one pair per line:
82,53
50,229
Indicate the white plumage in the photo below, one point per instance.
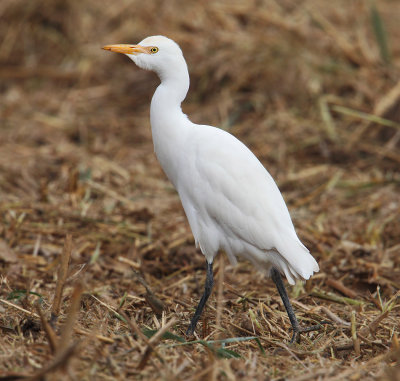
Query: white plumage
230,199
232,203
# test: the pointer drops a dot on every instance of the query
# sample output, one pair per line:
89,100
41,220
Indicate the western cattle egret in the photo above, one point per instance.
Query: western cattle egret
231,201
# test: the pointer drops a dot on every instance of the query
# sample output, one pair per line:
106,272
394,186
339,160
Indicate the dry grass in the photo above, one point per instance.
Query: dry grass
313,92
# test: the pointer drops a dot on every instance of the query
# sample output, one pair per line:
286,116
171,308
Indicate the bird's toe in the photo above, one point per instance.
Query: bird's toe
297,331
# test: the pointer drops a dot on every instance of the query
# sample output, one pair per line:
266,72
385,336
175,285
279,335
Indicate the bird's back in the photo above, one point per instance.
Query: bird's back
232,203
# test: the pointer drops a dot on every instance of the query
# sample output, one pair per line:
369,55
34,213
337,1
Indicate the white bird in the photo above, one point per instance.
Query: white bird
231,201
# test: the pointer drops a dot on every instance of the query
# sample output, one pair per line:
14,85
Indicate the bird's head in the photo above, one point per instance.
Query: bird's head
156,53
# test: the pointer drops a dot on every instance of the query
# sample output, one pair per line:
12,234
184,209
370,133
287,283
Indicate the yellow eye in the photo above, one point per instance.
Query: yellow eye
153,50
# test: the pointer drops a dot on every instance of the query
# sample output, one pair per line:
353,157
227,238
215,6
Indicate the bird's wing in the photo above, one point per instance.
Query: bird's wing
228,194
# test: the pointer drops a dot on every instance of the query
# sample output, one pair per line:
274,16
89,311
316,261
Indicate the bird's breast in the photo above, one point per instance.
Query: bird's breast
170,140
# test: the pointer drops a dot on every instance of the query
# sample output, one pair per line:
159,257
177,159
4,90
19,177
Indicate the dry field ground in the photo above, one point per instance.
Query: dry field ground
93,237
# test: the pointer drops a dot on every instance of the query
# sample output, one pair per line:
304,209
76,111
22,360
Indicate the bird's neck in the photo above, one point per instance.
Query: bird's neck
173,88
166,103
168,122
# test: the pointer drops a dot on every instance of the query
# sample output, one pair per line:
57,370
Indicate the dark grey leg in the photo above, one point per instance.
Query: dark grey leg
276,277
207,291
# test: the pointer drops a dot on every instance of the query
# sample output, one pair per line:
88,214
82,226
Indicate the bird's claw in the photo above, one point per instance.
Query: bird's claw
297,331
190,330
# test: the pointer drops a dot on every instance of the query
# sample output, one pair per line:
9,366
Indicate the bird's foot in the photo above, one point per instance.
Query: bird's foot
190,330
297,331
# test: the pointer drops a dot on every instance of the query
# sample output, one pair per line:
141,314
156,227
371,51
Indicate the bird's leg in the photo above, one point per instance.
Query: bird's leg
207,291
297,330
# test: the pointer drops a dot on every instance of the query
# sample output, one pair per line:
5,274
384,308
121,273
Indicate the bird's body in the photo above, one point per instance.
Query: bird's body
231,201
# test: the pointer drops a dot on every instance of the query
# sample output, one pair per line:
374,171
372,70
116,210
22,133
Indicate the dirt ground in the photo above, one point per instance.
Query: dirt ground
93,237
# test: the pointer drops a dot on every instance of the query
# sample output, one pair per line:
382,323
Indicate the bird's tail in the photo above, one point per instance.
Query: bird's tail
297,262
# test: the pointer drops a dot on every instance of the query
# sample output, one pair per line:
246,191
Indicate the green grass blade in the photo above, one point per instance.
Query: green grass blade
123,299
222,342
227,353
18,294
260,347
220,351
380,33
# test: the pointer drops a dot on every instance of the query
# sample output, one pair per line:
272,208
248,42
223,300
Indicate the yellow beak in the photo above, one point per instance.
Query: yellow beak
126,49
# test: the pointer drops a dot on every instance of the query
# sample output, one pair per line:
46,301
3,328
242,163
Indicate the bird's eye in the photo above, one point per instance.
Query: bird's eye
154,50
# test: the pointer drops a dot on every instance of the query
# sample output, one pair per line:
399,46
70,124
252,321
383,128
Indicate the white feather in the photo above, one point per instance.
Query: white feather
231,201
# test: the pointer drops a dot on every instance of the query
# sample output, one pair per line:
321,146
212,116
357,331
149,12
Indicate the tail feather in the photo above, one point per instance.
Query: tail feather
291,278
298,258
